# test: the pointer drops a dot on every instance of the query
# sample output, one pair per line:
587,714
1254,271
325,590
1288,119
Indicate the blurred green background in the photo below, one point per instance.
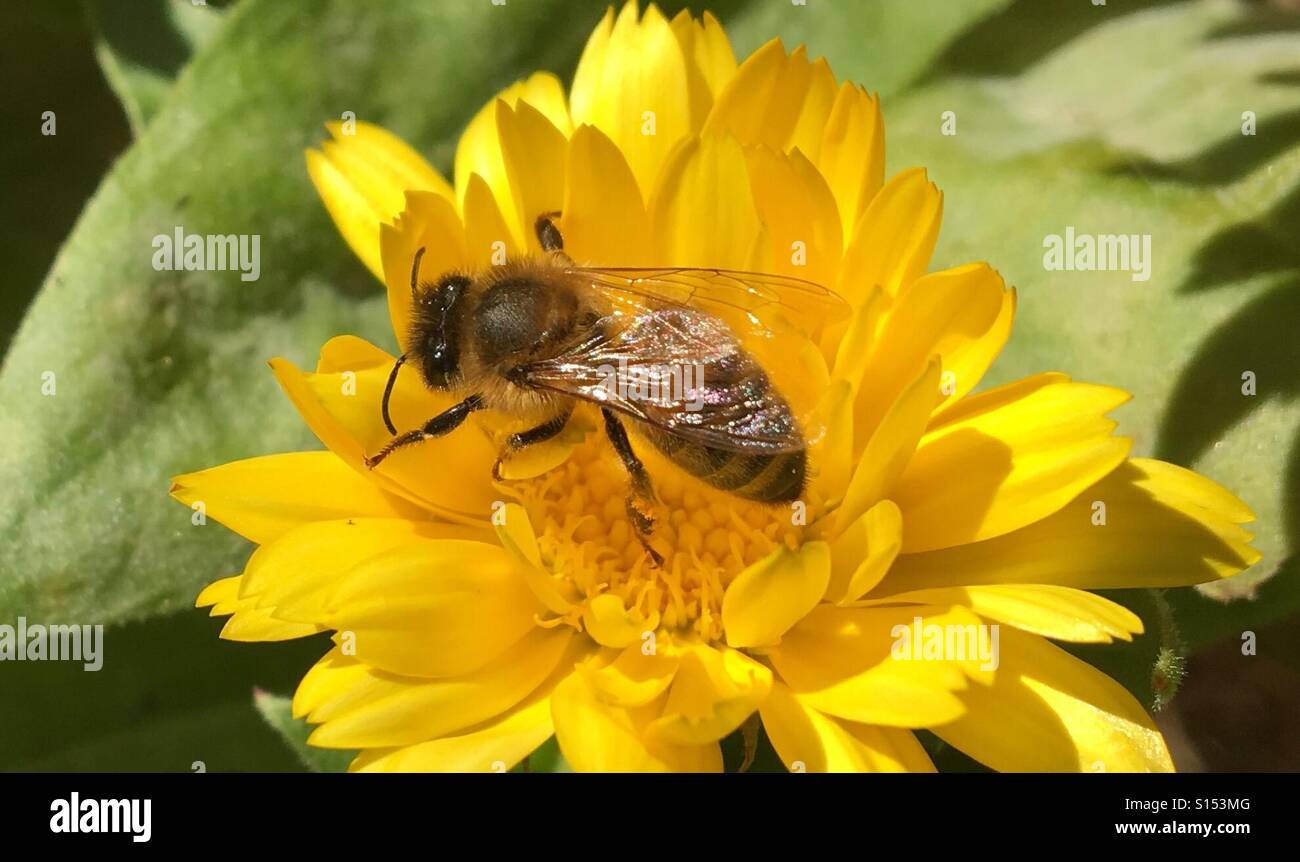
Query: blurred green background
1124,117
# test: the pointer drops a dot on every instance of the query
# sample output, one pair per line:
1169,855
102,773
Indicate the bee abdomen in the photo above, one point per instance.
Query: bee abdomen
763,478
781,481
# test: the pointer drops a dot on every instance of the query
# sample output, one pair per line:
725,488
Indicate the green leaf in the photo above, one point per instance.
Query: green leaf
1200,69
1102,136
141,53
547,758
278,712
168,694
883,46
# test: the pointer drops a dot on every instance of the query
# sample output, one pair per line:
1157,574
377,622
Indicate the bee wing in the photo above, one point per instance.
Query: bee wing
678,368
752,303
778,319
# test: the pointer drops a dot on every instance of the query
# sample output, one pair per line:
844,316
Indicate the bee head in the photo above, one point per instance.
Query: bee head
435,329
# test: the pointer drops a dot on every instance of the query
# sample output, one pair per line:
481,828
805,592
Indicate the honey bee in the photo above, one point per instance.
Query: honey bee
648,347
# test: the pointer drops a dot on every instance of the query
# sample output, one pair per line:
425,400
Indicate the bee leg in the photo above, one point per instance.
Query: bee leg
547,233
645,525
548,429
445,422
549,236
641,495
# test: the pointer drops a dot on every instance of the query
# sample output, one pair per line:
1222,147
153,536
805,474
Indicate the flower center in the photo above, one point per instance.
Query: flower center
706,537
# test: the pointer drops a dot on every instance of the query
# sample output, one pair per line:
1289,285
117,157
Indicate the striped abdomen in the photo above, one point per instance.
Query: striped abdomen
769,462
764,478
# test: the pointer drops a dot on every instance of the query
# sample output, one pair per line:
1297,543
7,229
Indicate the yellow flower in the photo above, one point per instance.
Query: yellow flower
475,619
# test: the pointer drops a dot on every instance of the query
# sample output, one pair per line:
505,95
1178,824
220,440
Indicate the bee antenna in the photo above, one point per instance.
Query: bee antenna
415,270
388,389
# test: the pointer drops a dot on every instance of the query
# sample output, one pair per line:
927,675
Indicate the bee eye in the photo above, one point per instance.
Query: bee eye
435,329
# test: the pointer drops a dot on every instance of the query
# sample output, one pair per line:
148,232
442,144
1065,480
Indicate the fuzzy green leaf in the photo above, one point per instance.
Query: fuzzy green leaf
278,713
141,53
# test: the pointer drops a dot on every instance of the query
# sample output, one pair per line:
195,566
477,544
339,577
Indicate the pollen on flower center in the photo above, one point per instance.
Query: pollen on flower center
706,537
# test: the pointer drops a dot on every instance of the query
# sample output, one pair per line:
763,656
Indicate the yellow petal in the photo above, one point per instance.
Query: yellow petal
313,556
449,475
962,315
705,182
600,737
764,600
222,596
447,588
388,710
263,498
492,747
331,680
1164,526
341,687
863,553
1047,711
1191,492
818,101
545,456
1022,452
809,741
479,150
964,363
849,342
834,452
852,152
419,610
545,92
841,661
611,624
892,241
489,240
428,222
891,447
797,209
247,622
605,221
1056,612
362,177
591,65
534,153
777,101
259,625
710,63
515,532
353,214
712,693
632,84
636,677
391,157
